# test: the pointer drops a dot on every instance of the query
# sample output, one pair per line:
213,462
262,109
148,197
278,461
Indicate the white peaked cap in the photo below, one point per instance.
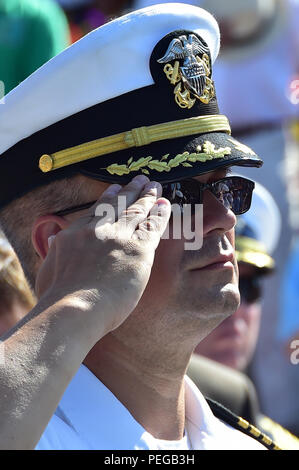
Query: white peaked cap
135,96
222,9
88,72
146,3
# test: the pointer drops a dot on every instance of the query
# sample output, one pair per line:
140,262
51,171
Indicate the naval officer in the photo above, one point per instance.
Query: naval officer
130,110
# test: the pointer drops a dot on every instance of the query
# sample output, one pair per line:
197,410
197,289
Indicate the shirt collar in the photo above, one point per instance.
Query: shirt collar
103,421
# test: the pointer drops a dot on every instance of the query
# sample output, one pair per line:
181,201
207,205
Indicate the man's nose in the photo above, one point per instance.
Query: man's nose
216,217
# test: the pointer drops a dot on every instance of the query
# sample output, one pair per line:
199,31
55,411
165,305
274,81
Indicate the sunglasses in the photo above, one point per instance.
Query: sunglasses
233,192
250,289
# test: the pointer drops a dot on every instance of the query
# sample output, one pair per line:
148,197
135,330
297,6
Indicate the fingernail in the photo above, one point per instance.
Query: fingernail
162,202
162,205
50,240
153,185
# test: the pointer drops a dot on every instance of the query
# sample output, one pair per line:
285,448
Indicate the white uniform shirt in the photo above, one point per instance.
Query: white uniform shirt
90,417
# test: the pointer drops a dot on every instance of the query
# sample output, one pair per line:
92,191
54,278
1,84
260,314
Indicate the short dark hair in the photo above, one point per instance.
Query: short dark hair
16,219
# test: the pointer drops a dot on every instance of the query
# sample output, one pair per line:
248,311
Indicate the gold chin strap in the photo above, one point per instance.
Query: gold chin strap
134,138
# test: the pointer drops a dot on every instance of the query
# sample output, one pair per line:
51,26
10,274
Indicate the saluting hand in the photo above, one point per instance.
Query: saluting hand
101,266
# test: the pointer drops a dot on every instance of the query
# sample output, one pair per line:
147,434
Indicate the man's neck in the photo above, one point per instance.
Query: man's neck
152,392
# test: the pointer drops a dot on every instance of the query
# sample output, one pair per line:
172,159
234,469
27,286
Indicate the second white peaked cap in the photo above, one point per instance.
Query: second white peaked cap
264,218
258,231
103,106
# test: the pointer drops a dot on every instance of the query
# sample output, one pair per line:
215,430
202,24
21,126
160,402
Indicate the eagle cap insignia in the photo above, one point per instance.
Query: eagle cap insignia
188,68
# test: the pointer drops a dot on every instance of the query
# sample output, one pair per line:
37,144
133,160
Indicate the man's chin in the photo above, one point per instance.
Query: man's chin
209,307
231,298
221,301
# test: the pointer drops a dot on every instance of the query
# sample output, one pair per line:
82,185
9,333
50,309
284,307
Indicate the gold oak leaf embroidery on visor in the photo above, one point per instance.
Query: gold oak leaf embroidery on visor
144,164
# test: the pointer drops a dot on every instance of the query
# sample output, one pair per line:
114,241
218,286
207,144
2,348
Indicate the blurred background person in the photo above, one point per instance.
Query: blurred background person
85,15
257,71
16,298
31,33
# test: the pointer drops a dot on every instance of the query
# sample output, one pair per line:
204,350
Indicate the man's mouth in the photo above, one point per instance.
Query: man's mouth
219,262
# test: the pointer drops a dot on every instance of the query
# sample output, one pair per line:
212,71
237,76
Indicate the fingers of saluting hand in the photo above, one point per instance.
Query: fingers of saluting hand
135,211
121,261
114,200
153,226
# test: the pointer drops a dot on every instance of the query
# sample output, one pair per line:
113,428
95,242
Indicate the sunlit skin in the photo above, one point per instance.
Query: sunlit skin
11,315
188,294
177,272
233,342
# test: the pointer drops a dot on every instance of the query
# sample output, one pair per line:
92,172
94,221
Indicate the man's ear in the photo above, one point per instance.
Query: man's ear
43,228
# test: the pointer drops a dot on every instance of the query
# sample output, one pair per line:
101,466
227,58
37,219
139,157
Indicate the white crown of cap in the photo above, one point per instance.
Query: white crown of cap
264,218
110,61
146,3
221,9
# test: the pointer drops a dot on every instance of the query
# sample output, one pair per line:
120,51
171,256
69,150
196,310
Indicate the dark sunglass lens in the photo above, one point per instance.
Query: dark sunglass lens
243,193
192,191
250,289
222,191
234,193
184,192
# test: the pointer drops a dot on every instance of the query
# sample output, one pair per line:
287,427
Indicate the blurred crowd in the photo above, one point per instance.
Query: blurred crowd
257,76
